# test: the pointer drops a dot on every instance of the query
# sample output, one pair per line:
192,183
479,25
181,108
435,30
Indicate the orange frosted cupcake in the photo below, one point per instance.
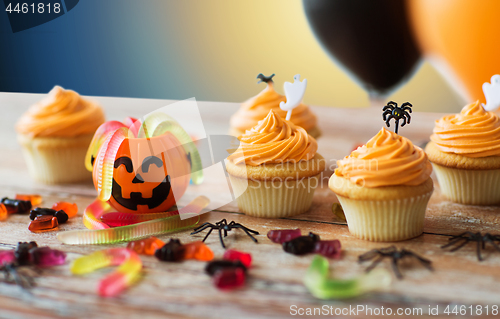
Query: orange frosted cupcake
384,187
465,153
257,107
55,134
276,169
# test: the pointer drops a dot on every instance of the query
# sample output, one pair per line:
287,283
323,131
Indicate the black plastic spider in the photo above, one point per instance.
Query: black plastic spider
265,79
395,254
397,113
224,226
466,237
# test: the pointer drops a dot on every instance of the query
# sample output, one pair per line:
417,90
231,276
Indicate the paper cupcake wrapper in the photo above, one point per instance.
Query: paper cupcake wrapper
274,199
385,220
471,187
53,165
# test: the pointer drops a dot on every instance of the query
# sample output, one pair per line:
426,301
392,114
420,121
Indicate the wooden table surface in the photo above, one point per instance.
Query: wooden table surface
275,281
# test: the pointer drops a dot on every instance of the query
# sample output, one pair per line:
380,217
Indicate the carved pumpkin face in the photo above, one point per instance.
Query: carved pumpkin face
145,183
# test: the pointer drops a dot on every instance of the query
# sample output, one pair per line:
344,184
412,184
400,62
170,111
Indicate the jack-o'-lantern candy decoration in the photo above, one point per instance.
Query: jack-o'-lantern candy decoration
139,170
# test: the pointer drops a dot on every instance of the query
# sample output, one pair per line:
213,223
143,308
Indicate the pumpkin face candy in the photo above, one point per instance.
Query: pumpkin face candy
143,174
152,184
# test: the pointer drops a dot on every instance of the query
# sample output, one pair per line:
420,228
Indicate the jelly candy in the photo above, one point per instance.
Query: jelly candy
22,252
117,219
113,284
229,278
43,222
301,245
146,246
321,286
100,233
61,216
46,257
3,212
246,259
39,211
70,209
283,235
16,206
175,251
218,265
7,257
328,248
198,250
231,272
33,198
171,251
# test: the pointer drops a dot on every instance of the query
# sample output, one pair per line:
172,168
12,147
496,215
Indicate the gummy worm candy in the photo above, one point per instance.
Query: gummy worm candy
115,219
103,234
322,287
103,167
157,124
98,139
113,284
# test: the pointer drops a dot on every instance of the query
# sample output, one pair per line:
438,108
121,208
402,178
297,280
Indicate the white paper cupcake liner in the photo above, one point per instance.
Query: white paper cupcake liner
385,220
471,187
274,199
51,164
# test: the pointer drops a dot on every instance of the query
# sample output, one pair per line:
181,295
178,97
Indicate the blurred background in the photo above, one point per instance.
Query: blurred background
353,52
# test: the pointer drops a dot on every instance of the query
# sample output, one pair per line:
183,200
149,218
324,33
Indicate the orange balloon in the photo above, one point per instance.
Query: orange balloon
463,34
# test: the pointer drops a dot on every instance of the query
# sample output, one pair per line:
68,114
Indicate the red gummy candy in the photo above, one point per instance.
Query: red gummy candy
229,278
146,246
246,259
281,236
43,222
3,212
70,209
328,248
46,257
33,198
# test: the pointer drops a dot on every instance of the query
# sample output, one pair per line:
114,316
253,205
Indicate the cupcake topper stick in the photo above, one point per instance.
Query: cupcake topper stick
294,94
492,93
392,111
265,79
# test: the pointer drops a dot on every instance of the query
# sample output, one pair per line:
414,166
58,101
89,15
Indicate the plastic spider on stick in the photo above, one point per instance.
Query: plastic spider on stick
224,226
393,253
464,238
392,111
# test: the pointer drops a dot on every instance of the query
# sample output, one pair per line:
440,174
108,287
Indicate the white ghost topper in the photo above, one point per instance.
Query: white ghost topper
294,93
492,93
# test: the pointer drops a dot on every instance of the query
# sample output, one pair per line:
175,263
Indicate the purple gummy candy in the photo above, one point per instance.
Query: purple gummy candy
328,248
7,257
46,257
281,236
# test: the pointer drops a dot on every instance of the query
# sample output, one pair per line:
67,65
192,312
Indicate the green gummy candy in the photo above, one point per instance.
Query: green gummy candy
323,287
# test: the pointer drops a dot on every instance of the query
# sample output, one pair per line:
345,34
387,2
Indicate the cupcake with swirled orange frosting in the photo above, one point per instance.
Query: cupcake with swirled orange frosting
384,187
465,153
275,170
257,107
55,134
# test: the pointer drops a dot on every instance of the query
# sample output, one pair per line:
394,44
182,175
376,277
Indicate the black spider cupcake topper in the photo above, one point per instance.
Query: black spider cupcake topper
392,111
264,78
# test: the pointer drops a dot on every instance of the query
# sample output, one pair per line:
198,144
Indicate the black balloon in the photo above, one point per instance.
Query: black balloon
371,38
